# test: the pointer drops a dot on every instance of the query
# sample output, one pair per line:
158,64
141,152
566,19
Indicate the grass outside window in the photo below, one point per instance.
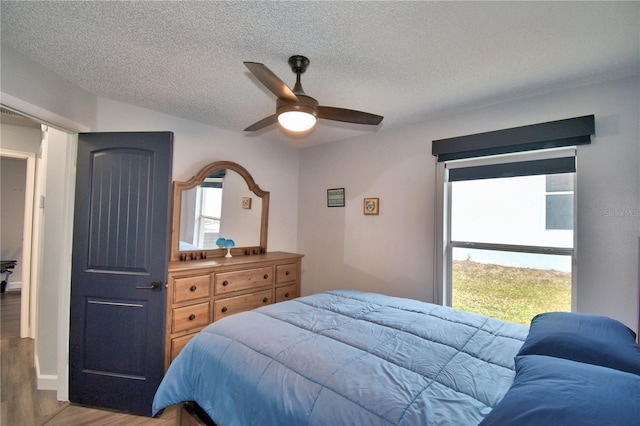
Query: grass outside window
509,293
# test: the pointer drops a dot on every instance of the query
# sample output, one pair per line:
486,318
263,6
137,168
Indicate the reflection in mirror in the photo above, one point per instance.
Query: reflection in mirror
223,194
221,201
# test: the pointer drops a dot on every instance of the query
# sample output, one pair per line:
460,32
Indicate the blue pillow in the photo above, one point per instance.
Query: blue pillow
556,391
586,338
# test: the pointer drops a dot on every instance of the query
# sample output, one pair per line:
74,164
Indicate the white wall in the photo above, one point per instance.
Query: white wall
20,138
390,253
393,252
31,88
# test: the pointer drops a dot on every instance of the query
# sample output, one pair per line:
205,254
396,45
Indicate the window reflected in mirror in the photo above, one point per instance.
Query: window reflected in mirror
216,208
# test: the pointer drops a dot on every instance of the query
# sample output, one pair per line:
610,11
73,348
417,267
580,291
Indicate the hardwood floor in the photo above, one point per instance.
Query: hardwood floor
23,405
10,308
83,416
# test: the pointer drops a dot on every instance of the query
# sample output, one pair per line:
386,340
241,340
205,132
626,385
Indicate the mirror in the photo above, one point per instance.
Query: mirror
221,201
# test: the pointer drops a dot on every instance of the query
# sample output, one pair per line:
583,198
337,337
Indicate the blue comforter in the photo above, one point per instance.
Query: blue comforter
346,357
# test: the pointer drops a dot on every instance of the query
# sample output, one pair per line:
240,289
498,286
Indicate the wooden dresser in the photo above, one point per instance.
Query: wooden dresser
200,292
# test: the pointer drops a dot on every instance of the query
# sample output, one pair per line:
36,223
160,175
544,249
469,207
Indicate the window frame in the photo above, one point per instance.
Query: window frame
444,245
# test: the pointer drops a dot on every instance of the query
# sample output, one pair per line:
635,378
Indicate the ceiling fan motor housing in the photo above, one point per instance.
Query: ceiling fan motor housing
304,104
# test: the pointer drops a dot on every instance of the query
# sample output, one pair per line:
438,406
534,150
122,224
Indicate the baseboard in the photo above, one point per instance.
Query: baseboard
14,286
45,381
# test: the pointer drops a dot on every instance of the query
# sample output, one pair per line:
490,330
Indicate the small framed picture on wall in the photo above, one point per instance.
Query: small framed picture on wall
372,206
335,197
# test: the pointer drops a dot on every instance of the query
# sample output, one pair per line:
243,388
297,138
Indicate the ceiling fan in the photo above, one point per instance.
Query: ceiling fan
295,110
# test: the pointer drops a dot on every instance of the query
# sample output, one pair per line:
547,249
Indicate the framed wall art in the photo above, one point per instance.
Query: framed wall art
372,206
335,197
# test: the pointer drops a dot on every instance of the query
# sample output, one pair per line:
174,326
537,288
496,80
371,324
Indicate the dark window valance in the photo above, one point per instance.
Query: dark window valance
553,134
216,174
206,184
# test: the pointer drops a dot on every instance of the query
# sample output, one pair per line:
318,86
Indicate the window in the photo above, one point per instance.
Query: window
506,261
208,212
509,175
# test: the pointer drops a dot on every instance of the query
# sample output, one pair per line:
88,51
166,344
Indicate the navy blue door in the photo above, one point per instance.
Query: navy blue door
119,269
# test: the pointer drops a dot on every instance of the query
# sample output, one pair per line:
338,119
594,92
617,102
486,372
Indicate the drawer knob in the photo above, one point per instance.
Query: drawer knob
193,288
192,317
225,283
287,273
265,300
265,276
286,295
224,309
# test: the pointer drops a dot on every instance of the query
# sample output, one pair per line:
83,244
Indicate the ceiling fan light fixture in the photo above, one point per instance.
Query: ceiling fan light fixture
296,111
296,121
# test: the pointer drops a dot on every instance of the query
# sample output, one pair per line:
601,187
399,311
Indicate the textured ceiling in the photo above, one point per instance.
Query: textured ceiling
407,61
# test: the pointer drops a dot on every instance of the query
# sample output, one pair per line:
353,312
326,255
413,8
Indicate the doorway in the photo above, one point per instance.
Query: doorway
13,172
21,139
47,242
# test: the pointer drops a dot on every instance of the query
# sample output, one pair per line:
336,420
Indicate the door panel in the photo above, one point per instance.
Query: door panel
119,268
105,320
119,237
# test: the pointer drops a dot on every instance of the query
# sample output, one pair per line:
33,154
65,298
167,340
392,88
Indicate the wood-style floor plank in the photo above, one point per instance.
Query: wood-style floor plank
82,416
10,309
22,403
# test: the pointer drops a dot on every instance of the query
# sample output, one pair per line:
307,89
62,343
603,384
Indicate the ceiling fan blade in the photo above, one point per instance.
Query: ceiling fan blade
271,81
348,115
272,119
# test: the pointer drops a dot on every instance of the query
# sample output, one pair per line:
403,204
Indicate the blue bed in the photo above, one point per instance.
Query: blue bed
346,357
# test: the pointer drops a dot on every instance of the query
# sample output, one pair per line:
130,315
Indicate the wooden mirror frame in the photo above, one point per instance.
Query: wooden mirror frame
198,179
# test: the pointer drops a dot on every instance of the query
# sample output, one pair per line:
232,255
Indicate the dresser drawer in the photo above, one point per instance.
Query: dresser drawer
178,344
227,282
286,292
232,305
189,317
190,288
286,273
